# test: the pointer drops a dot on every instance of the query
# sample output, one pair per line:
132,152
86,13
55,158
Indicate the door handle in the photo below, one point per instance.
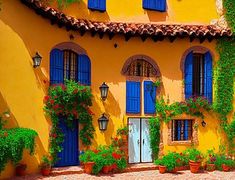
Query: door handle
138,141
143,141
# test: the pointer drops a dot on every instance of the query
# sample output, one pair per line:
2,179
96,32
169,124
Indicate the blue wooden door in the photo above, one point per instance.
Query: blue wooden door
146,152
134,140
69,155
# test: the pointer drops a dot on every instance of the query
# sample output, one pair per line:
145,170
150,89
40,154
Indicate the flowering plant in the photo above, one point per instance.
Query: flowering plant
71,101
193,154
211,156
123,131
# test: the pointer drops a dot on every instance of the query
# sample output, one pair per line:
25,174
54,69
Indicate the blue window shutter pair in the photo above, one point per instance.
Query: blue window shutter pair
208,76
158,5
188,70
99,5
149,97
133,97
57,68
84,70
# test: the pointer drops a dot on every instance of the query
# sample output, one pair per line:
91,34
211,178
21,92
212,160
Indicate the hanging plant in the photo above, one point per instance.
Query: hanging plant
70,101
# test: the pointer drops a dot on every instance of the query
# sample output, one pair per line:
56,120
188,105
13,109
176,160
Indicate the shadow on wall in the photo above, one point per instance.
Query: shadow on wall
155,16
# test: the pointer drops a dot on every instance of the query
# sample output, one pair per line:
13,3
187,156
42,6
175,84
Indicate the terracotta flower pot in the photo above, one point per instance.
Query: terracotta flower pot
225,168
20,170
194,166
210,167
106,169
88,167
45,171
162,169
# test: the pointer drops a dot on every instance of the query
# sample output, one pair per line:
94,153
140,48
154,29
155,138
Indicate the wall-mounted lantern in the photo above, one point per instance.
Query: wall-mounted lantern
203,123
104,91
37,60
103,122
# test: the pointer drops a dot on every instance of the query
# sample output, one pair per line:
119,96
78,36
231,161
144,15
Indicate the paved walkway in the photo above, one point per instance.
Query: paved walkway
148,175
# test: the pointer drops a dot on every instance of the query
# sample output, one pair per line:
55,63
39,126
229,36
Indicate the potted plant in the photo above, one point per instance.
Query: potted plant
88,160
227,164
195,158
45,166
20,169
211,159
168,162
123,132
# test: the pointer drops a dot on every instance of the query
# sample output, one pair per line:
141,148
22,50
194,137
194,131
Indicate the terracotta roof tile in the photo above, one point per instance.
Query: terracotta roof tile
128,29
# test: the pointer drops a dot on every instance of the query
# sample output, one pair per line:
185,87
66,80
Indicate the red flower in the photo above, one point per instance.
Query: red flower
52,101
75,113
46,98
95,151
84,90
90,112
115,139
63,87
116,156
56,106
75,91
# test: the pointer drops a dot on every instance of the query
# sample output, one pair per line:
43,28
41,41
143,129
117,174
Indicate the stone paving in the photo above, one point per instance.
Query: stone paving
148,175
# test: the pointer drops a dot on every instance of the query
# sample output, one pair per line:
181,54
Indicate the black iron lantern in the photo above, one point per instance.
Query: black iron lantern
103,122
203,123
104,91
37,60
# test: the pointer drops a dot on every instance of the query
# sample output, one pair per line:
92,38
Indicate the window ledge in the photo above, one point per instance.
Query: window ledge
175,143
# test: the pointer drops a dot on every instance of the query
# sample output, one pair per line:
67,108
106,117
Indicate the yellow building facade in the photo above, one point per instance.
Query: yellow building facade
24,32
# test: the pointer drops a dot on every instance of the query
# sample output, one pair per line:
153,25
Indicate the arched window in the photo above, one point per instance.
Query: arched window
198,75
67,64
140,90
142,68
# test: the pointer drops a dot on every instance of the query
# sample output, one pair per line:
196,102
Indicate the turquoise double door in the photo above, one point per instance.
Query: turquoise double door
139,149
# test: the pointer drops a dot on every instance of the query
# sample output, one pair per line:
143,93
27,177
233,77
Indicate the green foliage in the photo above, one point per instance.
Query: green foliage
210,156
154,133
123,131
193,154
171,160
46,162
224,74
229,6
61,3
222,159
70,102
192,106
12,144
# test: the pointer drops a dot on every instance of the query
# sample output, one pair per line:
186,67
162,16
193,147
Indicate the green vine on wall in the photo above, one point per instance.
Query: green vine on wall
61,3
166,112
69,102
224,75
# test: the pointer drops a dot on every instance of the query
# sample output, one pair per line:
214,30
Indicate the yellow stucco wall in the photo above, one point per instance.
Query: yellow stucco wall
22,87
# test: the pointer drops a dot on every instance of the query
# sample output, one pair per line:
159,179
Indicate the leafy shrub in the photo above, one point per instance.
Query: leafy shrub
193,154
13,142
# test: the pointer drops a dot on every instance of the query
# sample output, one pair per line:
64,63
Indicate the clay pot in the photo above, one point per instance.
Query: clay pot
194,166
45,171
210,167
20,170
162,169
106,169
225,168
88,167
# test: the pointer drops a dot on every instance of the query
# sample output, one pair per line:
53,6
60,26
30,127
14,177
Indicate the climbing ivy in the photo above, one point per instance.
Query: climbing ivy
154,131
224,75
61,3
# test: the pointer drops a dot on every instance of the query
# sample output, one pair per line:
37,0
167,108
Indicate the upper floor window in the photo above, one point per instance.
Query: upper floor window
69,65
141,68
198,75
98,5
158,5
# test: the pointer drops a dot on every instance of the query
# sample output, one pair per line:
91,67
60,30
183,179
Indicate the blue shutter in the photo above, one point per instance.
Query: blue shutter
84,70
99,5
158,5
185,129
188,75
56,67
149,97
208,77
133,97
